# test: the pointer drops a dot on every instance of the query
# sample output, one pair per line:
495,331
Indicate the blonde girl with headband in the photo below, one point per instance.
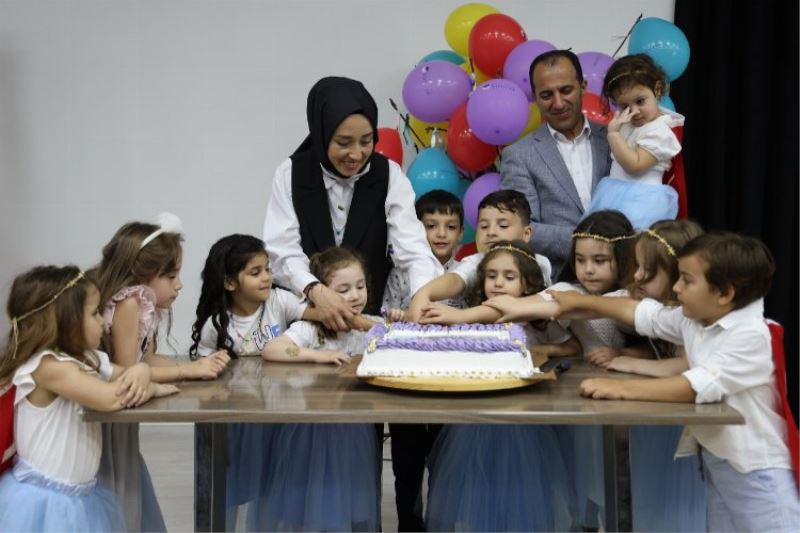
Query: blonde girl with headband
139,279
500,477
642,144
52,358
600,262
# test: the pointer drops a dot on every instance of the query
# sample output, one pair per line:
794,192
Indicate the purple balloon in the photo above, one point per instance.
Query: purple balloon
480,188
518,63
433,90
594,66
497,112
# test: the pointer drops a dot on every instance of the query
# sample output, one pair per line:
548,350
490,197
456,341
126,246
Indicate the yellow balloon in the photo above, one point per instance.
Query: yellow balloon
479,75
460,22
534,119
430,133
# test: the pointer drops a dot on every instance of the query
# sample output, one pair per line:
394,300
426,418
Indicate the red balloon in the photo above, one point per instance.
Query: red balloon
491,40
389,145
596,109
464,148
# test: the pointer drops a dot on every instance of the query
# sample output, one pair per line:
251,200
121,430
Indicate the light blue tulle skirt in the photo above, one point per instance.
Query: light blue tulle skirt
642,203
582,449
498,478
248,448
667,494
39,504
319,477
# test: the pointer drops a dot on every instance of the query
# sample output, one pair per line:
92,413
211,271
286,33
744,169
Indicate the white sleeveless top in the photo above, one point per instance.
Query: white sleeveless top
54,440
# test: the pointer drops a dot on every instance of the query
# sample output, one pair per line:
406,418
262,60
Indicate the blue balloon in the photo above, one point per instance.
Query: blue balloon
664,42
469,234
666,102
432,169
443,55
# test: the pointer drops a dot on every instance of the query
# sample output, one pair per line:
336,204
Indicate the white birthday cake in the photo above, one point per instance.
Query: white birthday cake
404,349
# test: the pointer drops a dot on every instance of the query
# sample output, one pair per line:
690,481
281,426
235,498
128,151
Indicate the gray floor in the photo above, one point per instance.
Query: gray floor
168,450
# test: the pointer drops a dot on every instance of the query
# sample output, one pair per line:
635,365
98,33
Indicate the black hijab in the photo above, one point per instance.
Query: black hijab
330,101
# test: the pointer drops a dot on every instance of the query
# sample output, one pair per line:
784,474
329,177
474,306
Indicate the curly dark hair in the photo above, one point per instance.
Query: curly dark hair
227,257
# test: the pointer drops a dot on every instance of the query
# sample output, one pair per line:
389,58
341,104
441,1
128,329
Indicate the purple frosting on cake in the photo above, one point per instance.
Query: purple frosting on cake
447,338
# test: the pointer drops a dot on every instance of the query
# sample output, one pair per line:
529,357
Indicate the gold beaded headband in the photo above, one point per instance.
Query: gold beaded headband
662,240
17,319
515,250
610,240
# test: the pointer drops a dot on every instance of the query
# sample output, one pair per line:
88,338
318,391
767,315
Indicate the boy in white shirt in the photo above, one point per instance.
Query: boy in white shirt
723,280
442,215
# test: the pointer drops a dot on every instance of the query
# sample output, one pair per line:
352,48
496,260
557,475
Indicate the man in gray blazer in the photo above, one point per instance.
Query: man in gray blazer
558,165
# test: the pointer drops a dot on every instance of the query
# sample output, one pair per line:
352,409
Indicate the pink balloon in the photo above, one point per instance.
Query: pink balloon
433,90
518,63
480,189
497,112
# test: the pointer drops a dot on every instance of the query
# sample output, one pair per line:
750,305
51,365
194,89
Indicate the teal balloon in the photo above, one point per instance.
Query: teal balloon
469,234
432,169
664,42
444,55
463,185
667,103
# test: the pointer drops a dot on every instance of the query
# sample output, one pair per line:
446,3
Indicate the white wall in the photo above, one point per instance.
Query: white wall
113,111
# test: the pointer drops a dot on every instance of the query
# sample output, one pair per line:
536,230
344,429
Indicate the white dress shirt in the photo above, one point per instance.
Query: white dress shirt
577,155
406,234
730,361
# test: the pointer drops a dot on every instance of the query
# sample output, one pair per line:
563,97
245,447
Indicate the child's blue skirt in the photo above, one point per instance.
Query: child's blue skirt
582,449
642,203
667,494
497,478
36,503
319,477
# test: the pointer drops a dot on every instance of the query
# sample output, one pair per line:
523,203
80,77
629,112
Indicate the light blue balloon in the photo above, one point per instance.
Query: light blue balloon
667,103
443,55
432,169
664,42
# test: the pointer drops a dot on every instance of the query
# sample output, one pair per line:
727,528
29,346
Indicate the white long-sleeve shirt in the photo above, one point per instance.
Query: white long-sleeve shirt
406,234
730,361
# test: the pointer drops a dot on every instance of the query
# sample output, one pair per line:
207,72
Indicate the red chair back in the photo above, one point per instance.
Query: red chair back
7,448
676,177
778,359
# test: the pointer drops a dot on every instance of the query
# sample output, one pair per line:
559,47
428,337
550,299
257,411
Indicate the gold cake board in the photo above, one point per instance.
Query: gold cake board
455,384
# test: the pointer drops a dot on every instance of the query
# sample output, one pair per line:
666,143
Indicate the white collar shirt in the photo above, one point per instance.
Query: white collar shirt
577,156
406,235
731,361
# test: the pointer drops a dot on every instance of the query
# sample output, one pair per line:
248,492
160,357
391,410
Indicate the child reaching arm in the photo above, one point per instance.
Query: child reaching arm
723,279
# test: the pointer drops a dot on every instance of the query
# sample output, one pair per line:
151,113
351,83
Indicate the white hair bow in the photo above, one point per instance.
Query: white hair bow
169,223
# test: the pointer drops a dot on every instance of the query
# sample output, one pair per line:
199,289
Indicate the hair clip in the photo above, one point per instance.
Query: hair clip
168,223
662,240
610,240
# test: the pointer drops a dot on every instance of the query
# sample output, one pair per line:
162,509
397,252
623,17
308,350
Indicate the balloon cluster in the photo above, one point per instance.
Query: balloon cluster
465,104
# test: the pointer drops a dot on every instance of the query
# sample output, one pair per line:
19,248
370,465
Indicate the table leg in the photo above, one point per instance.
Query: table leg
617,478
210,464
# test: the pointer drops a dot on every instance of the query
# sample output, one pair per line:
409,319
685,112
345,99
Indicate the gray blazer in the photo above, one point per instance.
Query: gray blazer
534,167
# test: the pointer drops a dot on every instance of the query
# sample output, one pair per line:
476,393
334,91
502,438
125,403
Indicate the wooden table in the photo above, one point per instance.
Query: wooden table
254,392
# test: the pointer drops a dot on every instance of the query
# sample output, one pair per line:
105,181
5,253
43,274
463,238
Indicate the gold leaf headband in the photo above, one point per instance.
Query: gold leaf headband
610,240
515,250
17,319
662,240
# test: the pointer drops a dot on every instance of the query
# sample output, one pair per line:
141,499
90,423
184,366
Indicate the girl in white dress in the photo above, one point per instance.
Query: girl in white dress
323,477
642,144
139,278
56,328
240,311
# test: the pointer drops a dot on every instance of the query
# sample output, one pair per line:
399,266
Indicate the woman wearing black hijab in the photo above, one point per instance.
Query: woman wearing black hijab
336,191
